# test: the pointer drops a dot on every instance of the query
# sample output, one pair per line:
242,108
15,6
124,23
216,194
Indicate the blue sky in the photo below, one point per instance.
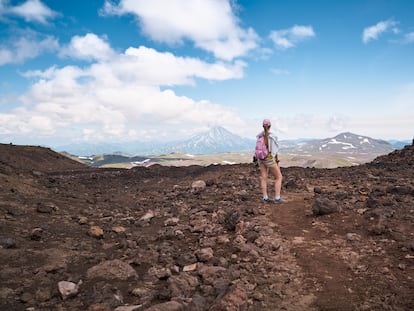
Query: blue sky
74,71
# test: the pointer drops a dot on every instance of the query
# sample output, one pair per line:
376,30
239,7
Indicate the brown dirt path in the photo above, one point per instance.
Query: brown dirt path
311,242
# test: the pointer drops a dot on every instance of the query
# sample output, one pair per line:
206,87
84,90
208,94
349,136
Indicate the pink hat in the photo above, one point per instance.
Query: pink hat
267,122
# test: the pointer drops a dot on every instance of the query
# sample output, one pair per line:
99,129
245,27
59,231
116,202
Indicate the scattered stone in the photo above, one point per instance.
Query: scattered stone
380,227
198,184
189,268
353,237
172,221
205,254
128,308
145,294
36,234
118,229
46,208
168,306
322,206
68,289
210,274
234,299
183,285
7,242
361,211
147,217
43,294
26,297
298,240
258,296
242,194
6,293
232,218
160,273
99,307
317,190
292,184
112,269
96,232
13,210
223,239
83,220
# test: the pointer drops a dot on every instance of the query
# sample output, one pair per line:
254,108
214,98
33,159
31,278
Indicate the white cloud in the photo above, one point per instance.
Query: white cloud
118,96
211,25
337,123
373,32
288,38
88,47
32,11
409,37
25,48
152,67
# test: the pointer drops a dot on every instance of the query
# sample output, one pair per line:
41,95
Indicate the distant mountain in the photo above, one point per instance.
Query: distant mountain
399,144
87,149
217,139
346,143
220,140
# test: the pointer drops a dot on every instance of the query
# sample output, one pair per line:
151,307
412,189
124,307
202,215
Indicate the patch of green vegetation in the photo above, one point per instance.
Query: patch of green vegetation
116,165
181,159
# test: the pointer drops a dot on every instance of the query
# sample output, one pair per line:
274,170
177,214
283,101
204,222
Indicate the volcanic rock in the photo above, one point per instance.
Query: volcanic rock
324,207
111,269
163,245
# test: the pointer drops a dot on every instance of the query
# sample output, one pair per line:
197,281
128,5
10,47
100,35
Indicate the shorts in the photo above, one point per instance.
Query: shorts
268,162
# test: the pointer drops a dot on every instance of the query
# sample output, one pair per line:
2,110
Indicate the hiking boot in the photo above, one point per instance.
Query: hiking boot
280,201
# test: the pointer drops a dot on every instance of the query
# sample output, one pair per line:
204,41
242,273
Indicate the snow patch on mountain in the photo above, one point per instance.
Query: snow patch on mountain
346,143
217,139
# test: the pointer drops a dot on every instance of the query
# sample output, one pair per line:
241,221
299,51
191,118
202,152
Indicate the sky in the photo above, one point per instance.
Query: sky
137,70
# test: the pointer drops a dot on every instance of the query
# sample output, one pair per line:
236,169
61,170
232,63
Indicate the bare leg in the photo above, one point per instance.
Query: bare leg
263,179
278,176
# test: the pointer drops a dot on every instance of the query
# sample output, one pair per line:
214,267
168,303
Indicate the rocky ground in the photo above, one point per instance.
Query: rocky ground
200,238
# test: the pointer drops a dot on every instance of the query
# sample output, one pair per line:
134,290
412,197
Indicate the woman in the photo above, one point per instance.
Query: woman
270,163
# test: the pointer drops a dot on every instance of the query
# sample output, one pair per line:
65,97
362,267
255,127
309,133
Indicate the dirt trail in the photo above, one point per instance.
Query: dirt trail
313,245
336,267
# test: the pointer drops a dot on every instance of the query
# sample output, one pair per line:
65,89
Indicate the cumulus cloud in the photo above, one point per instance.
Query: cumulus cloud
31,11
337,123
288,38
88,47
211,25
373,32
120,95
19,50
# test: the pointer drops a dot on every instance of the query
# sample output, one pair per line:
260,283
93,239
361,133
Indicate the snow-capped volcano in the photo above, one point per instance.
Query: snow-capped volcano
217,139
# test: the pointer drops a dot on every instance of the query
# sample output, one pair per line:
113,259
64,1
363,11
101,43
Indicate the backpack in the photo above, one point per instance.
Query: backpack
261,151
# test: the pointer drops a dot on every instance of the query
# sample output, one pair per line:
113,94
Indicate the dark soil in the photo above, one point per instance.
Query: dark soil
345,240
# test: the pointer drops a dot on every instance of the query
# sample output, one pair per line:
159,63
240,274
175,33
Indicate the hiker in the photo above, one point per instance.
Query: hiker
270,163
